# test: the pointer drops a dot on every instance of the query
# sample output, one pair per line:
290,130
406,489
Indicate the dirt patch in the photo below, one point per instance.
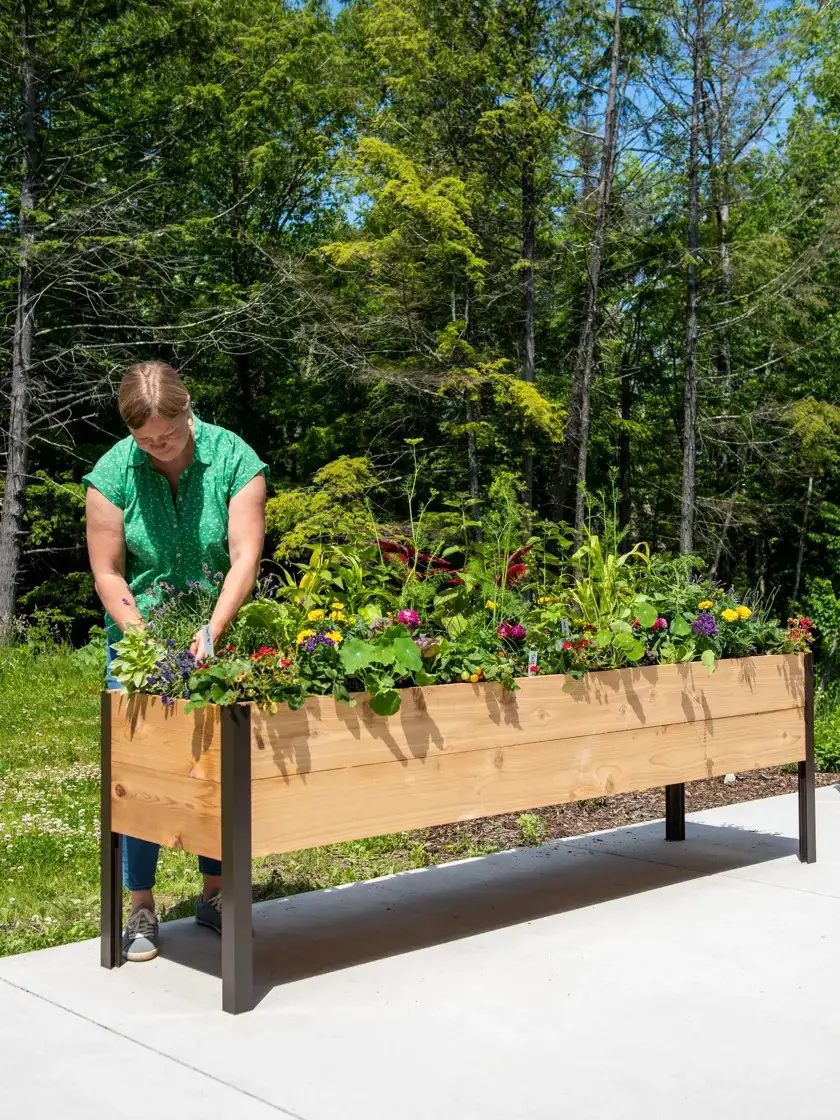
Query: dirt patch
558,821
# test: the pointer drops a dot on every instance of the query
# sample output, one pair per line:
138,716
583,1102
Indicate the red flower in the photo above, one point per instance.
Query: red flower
533,670
636,623
567,645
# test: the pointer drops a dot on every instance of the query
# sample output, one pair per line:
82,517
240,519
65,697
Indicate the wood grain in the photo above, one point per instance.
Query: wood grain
448,719
306,810
167,809
144,732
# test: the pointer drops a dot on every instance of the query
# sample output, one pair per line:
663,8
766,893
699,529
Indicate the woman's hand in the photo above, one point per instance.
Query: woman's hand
197,648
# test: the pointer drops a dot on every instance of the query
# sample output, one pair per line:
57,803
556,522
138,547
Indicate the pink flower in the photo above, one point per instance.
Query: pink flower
409,618
660,624
518,632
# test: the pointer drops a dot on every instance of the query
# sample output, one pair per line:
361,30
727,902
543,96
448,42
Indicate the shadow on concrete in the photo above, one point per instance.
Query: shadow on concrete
308,934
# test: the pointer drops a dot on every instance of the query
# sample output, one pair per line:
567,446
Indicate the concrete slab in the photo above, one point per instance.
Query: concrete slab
611,976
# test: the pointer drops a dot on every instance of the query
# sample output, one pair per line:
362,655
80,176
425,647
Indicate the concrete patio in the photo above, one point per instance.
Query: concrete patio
611,976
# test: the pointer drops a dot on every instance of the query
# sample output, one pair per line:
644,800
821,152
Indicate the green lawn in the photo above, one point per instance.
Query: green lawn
49,816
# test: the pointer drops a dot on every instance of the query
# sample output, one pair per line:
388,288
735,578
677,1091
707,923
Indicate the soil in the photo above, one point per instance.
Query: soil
580,817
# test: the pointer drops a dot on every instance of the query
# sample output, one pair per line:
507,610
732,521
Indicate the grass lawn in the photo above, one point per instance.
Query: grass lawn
49,816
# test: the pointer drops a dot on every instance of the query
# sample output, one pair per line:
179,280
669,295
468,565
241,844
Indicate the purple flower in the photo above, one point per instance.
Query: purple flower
513,631
219,576
170,643
704,625
318,640
168,702
409,618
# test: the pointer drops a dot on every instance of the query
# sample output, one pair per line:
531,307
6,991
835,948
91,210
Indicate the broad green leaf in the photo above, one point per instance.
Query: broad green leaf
635,652
619,626
386,703
646,613
680,627
709,660
423,678
357,654
603,638
455,625
408,655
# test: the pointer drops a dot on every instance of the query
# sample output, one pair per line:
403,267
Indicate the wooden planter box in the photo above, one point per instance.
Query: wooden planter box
237,783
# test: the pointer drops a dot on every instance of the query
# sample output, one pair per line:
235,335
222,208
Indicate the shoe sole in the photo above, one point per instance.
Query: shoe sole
139,958
208,925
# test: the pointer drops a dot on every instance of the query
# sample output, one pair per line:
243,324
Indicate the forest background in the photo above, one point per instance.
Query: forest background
590,246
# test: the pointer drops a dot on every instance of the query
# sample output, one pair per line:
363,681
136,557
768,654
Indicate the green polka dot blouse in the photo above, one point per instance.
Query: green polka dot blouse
170,540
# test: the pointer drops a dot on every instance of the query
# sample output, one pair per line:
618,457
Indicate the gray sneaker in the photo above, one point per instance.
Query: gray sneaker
208,911
141,937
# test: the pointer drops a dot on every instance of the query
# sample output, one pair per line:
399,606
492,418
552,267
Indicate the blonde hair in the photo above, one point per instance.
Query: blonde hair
151,389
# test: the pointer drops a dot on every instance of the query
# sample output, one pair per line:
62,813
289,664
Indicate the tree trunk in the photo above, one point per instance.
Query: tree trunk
624,452
11,521
528,305
803,532
577,426
689,474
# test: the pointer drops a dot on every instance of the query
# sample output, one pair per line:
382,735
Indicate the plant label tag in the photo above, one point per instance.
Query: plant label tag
564,626
207,643
532,660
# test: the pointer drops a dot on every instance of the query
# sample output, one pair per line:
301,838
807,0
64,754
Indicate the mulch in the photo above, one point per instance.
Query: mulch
580,817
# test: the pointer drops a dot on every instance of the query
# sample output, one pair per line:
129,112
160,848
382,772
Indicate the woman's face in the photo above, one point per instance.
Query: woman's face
164,439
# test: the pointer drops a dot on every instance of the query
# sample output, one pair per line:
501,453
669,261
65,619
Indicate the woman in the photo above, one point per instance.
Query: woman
175,498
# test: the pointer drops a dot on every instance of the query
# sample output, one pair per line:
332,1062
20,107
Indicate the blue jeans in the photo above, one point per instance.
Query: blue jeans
140,856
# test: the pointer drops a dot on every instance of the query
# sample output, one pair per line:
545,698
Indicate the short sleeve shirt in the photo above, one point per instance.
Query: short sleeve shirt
178,541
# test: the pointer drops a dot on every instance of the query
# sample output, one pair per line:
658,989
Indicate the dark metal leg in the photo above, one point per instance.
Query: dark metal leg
807,794
237,937
110,855
675,812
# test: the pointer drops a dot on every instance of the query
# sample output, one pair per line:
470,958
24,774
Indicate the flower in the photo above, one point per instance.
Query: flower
635,624
706,605
303,635
660,624
503,630
729,615
490,604
338,616
518,632
409,618
319,640
337,606
315,616
567,645
334,636
744,613
533,670
705,625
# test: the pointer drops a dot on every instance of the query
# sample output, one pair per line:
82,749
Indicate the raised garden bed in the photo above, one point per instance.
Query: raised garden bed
238,782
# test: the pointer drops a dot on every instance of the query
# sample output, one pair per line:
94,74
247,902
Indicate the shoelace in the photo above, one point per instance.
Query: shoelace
142,923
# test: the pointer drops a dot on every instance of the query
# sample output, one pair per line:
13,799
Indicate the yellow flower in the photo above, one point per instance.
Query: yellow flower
490,604
730,615
337,606
334,636
744,613
315,616
706,605
303,635
338,616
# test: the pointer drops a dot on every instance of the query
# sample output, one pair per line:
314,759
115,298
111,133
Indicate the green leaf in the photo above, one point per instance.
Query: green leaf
408,655
709,660
603,638
423,678
386,702
646,613
619,626
455,625
680,627
357,654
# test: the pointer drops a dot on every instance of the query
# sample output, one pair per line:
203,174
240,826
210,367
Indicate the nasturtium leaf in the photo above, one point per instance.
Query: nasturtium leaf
357,654
603,639
709,660
386,703
408,655
646,613
680,627
619,626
